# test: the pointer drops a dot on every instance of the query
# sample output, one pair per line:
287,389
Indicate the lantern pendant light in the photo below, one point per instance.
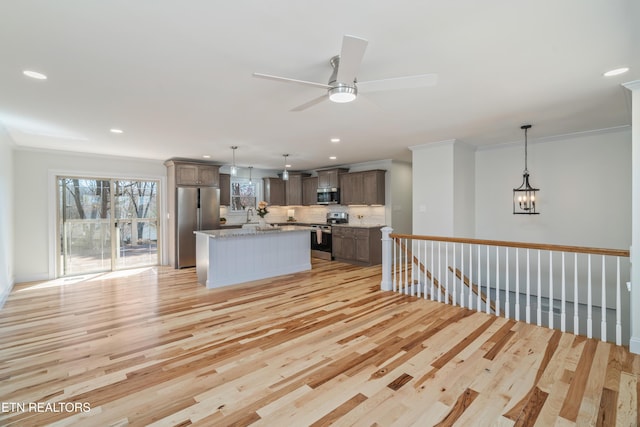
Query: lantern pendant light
285,172
525,196
234,168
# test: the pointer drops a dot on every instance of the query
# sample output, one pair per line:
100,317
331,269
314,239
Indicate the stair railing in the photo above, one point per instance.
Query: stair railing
536,283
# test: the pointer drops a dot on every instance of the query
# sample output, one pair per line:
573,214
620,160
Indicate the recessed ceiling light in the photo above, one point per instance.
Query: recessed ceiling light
616,72
287,166
34,75
116,130
335,139
332,158
206,156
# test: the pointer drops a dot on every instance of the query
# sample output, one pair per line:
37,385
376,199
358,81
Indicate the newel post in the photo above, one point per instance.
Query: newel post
386,284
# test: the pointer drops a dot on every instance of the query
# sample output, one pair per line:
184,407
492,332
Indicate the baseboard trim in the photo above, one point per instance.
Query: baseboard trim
634,345
5,295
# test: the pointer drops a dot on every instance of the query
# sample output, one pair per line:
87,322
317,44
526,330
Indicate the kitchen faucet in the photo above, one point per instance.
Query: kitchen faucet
249,211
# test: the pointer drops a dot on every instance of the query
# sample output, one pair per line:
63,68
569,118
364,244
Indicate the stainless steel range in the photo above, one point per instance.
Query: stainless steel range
321,241
321,246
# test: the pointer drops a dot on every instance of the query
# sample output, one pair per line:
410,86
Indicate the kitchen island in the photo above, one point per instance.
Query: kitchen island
229,257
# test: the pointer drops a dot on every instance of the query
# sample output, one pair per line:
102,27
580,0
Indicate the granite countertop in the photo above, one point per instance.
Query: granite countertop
239,232
359,225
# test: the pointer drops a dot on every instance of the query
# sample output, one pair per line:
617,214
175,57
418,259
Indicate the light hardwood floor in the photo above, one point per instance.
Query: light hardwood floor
152,347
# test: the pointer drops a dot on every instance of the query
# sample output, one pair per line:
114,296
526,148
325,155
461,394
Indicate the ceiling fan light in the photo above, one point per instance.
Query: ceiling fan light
342,94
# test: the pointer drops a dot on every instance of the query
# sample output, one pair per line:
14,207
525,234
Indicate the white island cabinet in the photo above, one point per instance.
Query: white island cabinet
229,257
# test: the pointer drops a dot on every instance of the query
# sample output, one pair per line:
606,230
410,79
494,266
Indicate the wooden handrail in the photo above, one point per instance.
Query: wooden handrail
474,288
544,247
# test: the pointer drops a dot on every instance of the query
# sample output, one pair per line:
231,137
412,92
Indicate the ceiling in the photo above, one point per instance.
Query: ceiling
176,76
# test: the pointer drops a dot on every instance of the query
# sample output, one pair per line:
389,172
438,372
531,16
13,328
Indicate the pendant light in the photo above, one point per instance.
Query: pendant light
524,197
234,169
285,172
250,180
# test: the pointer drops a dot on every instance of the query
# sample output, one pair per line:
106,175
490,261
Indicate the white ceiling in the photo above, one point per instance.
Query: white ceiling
176,75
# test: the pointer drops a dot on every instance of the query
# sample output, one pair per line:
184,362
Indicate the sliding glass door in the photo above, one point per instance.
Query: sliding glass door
106,224
136,224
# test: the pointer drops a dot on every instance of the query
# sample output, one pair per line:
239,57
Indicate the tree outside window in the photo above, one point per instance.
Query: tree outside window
243,195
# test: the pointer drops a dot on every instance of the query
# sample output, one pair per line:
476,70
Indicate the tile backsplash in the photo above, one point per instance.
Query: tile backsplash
358,215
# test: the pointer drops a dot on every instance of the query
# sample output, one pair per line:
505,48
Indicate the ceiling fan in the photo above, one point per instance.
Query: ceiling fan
343,85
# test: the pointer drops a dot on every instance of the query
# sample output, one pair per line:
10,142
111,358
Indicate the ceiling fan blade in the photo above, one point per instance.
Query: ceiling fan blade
350,58
288,80
311,103
407,82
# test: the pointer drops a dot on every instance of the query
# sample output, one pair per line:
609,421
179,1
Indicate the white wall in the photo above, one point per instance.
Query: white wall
399,197
464,171
34,214
585,190
6,215
433,189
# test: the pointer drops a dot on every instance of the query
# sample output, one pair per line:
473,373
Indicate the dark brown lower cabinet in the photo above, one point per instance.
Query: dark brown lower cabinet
357,245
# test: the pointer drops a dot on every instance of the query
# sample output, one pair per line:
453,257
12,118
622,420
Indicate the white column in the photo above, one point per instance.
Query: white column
386,284
634,342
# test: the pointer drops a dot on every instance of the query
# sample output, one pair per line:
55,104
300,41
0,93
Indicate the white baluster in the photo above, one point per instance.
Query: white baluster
517,286
439,272
400,285
446,273
563,298
461,274
507,302
415,269
400,267
406,267
424,262
528,306
539,310
497,281
589,318
576,319
618,305
603,321
453,276
487,305
479,282
395,266
551,289
470,276
432,273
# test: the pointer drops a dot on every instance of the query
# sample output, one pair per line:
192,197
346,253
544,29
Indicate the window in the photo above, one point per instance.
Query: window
243,194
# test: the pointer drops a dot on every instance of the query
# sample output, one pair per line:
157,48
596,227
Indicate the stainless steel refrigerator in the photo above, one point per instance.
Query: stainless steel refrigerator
197,208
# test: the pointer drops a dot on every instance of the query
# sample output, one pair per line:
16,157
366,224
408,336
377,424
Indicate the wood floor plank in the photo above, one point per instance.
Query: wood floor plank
152,347
572,402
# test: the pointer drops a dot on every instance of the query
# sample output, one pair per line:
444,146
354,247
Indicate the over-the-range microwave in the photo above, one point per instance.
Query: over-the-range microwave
328,196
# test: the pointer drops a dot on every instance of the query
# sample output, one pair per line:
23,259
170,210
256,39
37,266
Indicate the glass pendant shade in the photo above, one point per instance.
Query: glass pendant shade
234,169
285,172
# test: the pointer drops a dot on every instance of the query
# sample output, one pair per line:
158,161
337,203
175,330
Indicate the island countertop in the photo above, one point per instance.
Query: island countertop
251,231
